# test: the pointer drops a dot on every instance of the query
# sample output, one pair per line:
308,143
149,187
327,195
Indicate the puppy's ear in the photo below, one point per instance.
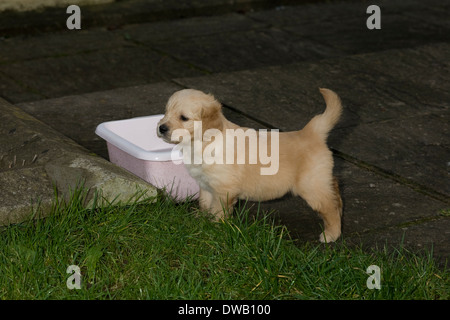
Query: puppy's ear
211,109
211,114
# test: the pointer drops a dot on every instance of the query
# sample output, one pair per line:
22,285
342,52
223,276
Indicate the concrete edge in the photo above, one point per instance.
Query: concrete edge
64,165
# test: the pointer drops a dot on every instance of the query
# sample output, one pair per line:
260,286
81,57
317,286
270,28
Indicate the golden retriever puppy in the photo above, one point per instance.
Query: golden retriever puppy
300,161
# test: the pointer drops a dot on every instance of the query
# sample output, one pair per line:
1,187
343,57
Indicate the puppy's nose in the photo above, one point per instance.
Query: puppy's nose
163,129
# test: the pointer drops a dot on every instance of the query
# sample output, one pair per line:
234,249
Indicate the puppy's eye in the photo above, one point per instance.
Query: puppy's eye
183,118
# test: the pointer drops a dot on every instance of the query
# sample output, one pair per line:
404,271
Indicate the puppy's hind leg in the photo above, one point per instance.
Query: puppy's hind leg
323,196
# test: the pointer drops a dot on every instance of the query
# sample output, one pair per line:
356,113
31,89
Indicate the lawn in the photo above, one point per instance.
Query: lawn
162,250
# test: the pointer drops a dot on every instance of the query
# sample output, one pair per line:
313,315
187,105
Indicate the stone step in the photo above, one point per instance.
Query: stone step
36,160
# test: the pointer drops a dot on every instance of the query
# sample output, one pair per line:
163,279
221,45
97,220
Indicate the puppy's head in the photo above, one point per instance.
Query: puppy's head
184,108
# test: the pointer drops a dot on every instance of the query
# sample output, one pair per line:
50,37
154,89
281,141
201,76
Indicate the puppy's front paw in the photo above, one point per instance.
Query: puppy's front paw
327,237
218,216
215,217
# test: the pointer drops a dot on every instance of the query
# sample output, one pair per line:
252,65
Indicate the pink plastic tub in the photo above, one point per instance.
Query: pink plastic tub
134,146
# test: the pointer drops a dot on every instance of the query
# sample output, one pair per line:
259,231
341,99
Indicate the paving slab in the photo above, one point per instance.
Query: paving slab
245,49
12,90
184,29
58,44
34,159
425,66
415,148
95,71
342,25
224,43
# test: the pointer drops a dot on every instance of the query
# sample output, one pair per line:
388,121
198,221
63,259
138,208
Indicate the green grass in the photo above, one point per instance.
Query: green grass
163,250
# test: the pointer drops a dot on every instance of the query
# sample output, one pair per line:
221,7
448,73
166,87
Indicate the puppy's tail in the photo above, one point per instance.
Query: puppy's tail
323,123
